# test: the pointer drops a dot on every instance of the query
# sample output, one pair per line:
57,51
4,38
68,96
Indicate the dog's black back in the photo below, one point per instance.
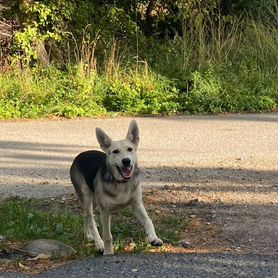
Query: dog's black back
86,165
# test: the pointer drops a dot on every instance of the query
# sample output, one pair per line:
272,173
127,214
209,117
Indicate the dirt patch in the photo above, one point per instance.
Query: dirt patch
241,204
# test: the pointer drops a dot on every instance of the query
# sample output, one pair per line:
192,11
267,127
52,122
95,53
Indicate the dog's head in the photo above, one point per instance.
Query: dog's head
121,155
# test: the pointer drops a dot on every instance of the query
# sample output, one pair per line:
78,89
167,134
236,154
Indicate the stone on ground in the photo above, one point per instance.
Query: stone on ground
49,247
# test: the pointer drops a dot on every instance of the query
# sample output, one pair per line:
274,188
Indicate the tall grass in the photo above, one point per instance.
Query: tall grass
221,66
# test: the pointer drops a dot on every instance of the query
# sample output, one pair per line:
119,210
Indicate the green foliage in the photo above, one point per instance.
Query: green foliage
43,92
196,57
243,90
142,94
20,221
42,23
206,94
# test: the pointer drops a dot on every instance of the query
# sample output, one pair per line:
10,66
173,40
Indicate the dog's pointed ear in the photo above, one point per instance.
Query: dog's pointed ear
103,139
133,133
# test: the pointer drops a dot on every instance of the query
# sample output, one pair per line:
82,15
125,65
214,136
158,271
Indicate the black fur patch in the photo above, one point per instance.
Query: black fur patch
87,164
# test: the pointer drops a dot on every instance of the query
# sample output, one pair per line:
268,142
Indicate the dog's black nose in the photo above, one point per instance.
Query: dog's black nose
126,162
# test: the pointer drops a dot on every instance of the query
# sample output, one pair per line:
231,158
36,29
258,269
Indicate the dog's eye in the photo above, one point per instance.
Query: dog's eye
116,151
129,149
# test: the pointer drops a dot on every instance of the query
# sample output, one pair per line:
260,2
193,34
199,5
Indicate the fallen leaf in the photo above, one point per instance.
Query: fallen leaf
23,266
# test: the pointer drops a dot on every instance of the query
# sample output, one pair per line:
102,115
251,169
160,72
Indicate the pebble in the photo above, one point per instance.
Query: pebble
184,244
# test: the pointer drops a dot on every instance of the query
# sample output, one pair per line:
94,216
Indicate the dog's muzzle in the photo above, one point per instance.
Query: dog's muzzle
126,170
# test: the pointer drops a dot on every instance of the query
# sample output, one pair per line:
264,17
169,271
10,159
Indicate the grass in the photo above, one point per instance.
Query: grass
211,69
25,220
36,93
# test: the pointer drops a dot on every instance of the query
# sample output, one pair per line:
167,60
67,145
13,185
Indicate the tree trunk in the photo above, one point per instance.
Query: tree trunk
149,30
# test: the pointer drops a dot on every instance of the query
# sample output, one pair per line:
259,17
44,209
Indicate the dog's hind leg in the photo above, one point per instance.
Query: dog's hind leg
90,227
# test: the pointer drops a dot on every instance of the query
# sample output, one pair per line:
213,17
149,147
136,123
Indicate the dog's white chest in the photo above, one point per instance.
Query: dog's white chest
114,197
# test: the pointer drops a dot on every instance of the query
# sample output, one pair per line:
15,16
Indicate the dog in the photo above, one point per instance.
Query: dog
110,181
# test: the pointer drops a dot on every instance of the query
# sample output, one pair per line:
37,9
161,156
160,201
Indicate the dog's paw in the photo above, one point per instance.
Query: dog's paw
99,245
108,248
108,252
156,242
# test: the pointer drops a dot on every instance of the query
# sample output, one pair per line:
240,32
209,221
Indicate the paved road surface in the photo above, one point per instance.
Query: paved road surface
36,155
167,266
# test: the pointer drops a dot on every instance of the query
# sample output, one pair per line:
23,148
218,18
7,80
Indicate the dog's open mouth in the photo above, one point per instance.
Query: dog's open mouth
125,172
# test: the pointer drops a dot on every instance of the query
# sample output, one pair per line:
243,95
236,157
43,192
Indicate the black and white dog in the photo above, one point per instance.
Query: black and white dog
110,180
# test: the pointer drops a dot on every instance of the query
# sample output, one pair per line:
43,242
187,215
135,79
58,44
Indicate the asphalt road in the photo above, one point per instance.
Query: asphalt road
234,155
166,266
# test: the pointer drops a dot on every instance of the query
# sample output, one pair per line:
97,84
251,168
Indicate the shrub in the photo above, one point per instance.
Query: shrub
142,94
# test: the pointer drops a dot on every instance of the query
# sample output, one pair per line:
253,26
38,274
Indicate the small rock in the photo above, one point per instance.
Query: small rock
184,244
49,247
2,238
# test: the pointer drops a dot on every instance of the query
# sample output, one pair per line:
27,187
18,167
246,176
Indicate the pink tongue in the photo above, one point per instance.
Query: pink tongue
126,172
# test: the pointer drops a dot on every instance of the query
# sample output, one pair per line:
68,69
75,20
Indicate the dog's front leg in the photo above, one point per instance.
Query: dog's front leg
144,219
106,234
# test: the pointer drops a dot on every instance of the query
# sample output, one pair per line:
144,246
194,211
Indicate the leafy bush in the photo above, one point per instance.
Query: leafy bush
215,92
43,92
142,95
206,94
41,23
